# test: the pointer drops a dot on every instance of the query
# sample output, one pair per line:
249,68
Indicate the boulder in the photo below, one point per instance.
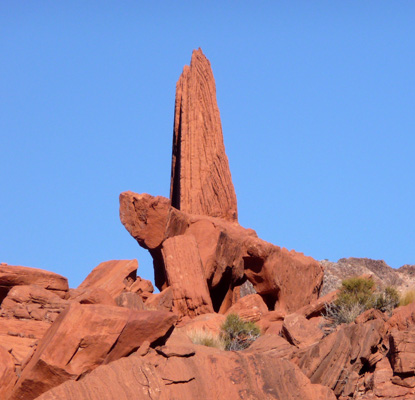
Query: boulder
402,318
91,295
142,286
299,331
207,322
318,307
162,301
130,300
185,276
402,351
249,308
229,254
273,345
32,302
349,350
114,276
11,276
201,180
83,336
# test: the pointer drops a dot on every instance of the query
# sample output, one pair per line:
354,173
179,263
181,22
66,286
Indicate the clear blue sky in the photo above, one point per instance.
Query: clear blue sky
317,104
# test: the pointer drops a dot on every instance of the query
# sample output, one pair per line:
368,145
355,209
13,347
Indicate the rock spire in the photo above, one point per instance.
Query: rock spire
201,181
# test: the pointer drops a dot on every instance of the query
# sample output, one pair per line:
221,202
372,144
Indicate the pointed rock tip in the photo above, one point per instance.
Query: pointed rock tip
198,57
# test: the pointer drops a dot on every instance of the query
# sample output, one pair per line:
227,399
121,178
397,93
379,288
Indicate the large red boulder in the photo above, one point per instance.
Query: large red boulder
185,276
82,338
115,276
11,275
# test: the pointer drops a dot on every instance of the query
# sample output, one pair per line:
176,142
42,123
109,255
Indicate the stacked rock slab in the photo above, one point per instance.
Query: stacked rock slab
214,253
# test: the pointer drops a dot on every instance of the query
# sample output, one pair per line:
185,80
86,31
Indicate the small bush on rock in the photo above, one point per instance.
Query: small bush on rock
238,334
357,295
206,338
387,299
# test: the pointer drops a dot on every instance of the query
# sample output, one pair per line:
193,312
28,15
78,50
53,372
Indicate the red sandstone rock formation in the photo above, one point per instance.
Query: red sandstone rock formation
84,337
189,372
229,254
201,181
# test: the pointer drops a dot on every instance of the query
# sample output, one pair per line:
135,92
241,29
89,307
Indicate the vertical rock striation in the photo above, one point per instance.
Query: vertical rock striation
201,181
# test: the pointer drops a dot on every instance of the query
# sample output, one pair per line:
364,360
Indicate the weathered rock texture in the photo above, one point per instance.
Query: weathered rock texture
194,372
201,181
84,337
229,254
11,276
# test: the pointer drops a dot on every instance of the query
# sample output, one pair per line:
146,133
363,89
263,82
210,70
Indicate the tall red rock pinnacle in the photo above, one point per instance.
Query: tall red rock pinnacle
201,181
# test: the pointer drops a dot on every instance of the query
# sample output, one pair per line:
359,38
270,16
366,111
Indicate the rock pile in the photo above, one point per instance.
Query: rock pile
114,338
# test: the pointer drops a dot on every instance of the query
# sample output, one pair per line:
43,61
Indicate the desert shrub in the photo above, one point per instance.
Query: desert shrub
238,334
357,295
387,299
407,298
206,338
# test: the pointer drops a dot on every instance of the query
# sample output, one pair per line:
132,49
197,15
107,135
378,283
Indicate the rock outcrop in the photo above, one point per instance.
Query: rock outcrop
201,181
229,254
194,372
113,338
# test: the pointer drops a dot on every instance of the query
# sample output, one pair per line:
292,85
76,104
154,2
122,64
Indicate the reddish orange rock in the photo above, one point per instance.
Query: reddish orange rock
8,376
210,323
32,302
162,301
402,351
82,337
402,318
342,354
185,275
11,275
300,331
92,295
201,181
114,276
249,308
189,372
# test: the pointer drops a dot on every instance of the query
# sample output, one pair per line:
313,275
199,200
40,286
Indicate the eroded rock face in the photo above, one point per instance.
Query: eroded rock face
402,351
83,337
341,356
201,181
185,276
229,254
8,376
194,372
11,275
115,276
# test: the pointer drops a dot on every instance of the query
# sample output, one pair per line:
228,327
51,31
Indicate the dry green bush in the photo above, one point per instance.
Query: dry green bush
407,298
357,295
206,338
238,334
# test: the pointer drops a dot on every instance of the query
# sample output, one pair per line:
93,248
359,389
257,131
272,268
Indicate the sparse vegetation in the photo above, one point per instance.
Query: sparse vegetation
407,298
238,334
358,295
206,338
387,299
